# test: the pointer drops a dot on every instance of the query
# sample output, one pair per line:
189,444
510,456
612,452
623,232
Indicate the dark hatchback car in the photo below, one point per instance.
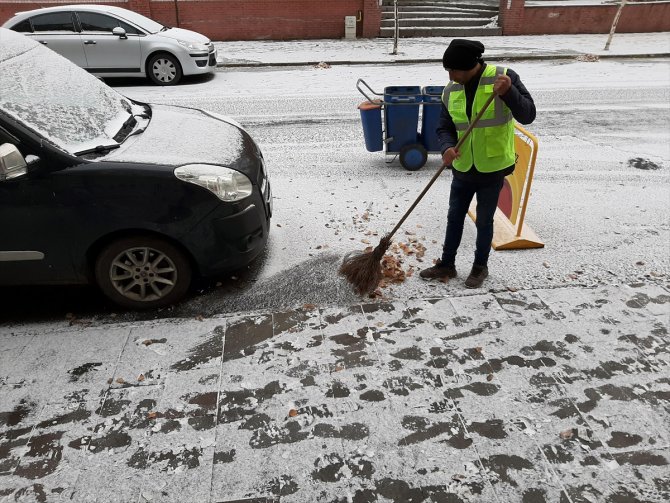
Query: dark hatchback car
136,198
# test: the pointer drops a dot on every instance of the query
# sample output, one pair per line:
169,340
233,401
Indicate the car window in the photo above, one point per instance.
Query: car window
142,21
92,21
23,27
54,21
55,98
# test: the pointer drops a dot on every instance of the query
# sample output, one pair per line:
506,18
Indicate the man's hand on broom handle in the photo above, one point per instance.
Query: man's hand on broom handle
449,155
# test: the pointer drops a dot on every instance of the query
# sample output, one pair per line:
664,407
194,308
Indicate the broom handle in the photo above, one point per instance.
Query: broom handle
439,171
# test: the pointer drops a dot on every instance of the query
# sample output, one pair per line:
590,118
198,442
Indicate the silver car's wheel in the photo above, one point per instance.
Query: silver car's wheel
143,273
164,69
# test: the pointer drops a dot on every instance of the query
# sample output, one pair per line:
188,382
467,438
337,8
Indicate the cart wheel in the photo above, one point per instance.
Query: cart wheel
413,157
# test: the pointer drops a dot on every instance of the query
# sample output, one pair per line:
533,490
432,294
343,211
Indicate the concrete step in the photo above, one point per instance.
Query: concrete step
433,18
435,22
481,5
446,11
406,32
435,14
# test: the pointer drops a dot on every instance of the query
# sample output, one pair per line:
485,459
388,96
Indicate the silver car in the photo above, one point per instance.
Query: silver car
114,42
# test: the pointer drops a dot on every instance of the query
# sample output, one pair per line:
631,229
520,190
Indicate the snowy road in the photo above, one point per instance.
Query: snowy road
600,198
603,219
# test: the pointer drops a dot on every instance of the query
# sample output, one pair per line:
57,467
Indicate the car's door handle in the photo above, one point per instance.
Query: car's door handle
89,42
43,42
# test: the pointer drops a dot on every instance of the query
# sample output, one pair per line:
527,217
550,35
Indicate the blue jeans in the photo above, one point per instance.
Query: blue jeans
460,197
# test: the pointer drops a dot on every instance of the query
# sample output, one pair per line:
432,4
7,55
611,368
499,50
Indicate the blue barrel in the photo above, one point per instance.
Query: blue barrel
371,118
432,106
402,116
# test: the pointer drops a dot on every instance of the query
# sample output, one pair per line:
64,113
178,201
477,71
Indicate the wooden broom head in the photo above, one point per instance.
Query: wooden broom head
364,270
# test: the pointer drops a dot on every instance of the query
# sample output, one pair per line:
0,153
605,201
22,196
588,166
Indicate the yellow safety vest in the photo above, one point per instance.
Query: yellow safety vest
490,146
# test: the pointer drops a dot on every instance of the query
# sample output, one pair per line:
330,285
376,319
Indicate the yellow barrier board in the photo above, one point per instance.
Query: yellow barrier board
509,231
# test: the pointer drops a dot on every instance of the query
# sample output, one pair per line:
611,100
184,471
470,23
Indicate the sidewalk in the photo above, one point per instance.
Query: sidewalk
534,396
425,50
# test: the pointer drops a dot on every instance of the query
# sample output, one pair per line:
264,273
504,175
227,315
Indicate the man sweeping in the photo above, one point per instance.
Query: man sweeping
486,156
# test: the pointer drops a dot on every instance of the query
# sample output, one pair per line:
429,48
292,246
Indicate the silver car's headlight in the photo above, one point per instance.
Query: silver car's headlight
194,46
227,184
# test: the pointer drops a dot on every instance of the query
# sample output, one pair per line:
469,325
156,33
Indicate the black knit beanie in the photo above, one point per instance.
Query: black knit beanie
462,54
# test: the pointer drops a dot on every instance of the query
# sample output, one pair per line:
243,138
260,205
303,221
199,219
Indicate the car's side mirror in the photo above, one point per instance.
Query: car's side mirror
119,32
12,163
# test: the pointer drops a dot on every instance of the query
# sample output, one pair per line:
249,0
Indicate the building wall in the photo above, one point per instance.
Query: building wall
517,19
242,19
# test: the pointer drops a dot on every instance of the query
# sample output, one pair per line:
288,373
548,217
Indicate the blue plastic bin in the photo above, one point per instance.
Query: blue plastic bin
432,101
371,118
402,115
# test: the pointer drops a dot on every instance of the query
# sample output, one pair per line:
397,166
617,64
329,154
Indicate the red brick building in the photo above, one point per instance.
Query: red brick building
517,18
305,19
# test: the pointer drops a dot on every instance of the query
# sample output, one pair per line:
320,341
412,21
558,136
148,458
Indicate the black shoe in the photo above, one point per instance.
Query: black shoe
477,276
439,271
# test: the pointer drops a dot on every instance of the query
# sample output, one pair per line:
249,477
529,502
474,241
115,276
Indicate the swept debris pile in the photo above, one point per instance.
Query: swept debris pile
395,266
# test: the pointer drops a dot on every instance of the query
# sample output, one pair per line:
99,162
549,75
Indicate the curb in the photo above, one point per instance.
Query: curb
523,57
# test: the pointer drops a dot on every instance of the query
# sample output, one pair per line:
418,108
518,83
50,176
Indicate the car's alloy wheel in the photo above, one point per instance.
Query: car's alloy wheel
164,70
143,273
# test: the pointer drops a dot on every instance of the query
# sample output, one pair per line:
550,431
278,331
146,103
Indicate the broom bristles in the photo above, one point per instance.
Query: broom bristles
364,270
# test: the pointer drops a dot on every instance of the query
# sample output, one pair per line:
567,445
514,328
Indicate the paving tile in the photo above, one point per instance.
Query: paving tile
623,304
114,446
643,296
153,350
53,454
276,453
243,333
179,459
647,340
343,320
525,308
51,488
65,364
577,306
13,446
11,348
17,409
480,309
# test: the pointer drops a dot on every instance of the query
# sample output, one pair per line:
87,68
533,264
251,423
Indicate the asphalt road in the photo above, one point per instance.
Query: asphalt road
599,201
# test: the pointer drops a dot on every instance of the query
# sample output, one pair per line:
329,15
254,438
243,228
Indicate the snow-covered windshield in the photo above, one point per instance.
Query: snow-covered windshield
142,21
57,99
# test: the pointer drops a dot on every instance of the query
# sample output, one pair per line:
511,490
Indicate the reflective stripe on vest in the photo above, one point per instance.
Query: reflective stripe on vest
490,146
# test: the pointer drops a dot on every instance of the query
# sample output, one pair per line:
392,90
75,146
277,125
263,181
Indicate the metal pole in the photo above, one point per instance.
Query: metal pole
614,23
176,12
397,27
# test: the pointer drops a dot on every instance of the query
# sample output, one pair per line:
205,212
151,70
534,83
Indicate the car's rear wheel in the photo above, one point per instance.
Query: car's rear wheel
143,272
164,69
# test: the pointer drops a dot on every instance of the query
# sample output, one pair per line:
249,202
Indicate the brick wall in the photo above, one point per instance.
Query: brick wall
517,19
243,19
510,16
304,19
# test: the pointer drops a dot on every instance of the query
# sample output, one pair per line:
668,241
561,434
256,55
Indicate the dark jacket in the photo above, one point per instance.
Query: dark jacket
520,103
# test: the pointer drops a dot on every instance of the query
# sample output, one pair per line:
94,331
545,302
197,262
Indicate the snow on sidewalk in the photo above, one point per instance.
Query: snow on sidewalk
419,49
537,395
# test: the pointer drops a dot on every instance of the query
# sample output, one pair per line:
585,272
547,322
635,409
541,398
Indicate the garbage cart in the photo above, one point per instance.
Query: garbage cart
430,118
391,122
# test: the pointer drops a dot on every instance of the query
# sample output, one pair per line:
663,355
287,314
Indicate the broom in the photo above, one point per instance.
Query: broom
363,269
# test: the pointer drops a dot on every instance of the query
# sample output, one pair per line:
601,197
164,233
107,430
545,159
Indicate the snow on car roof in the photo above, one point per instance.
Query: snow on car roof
55,98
